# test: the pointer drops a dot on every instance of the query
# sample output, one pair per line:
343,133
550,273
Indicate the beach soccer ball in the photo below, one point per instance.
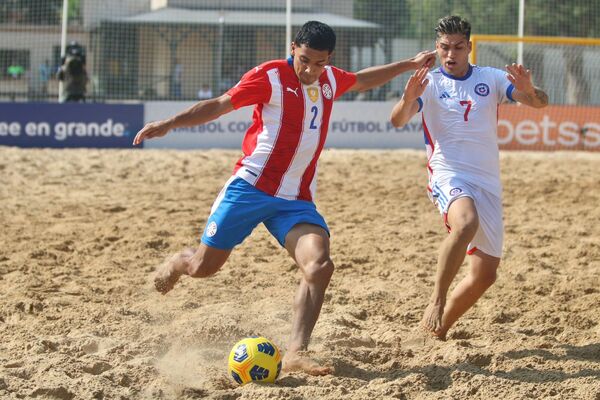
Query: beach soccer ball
254,359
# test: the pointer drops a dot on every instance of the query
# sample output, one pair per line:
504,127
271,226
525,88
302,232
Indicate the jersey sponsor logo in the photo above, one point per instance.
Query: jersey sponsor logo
327,92
482,89
455,191
289,89
211,230
445,95
313,94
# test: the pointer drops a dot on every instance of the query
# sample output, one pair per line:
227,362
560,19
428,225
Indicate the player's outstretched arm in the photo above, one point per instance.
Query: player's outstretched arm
372,77
524,91
200,113
408,106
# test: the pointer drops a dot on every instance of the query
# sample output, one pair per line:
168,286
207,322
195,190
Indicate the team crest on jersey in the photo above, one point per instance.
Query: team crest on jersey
455,191
211,230
313,94
482,89
327,92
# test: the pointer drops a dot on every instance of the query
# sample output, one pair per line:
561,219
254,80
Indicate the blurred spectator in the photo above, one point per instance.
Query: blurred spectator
15,70
205,92
44,73
176,80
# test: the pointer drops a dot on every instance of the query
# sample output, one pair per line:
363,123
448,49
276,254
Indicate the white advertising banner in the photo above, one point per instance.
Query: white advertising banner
352,125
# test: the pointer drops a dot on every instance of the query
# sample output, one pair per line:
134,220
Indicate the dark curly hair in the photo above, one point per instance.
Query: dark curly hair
453,24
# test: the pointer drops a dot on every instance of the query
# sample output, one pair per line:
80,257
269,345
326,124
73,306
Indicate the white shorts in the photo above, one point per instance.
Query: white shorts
490,235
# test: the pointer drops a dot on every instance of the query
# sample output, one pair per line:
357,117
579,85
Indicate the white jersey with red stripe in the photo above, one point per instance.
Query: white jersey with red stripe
289,126
460,120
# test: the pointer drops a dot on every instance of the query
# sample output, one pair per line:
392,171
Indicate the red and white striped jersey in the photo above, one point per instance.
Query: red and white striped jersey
289,126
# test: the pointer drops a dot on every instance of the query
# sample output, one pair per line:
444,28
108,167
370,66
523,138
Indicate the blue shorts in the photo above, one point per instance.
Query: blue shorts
240,207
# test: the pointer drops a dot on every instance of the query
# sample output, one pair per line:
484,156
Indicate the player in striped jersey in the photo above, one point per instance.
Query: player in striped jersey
275,180
459,103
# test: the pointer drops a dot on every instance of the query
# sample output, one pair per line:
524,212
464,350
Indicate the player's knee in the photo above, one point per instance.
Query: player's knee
466,226
319,271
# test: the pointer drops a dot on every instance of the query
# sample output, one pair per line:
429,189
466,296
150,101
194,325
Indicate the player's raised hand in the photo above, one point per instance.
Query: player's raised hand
416,84
520,77
424,59
152,130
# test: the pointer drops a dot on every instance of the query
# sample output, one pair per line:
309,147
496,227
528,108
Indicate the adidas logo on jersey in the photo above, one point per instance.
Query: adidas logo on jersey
445,95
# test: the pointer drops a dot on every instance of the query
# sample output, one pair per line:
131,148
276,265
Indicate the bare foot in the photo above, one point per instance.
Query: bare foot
168,273
165,279
294,361
432,321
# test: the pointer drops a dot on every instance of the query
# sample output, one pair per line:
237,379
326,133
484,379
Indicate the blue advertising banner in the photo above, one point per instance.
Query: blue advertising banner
69,124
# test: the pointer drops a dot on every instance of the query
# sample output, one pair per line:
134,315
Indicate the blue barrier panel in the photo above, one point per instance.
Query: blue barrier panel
70,124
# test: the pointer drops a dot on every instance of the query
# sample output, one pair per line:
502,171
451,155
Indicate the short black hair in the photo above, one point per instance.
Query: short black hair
317,36
453,24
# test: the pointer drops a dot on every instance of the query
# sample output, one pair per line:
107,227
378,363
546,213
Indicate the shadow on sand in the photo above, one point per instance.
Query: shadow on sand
440,377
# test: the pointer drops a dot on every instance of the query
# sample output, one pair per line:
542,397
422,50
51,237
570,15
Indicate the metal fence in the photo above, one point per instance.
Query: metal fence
137,50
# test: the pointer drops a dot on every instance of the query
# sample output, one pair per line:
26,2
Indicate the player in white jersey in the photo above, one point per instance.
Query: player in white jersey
274,181
459,104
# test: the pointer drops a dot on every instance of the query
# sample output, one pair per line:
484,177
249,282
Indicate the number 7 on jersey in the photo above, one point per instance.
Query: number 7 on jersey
468,104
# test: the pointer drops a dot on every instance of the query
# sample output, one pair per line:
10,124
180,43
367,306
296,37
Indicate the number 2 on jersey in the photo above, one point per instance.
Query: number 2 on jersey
315,111
468,104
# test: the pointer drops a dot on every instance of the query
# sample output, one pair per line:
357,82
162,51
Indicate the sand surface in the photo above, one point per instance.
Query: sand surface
83,230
